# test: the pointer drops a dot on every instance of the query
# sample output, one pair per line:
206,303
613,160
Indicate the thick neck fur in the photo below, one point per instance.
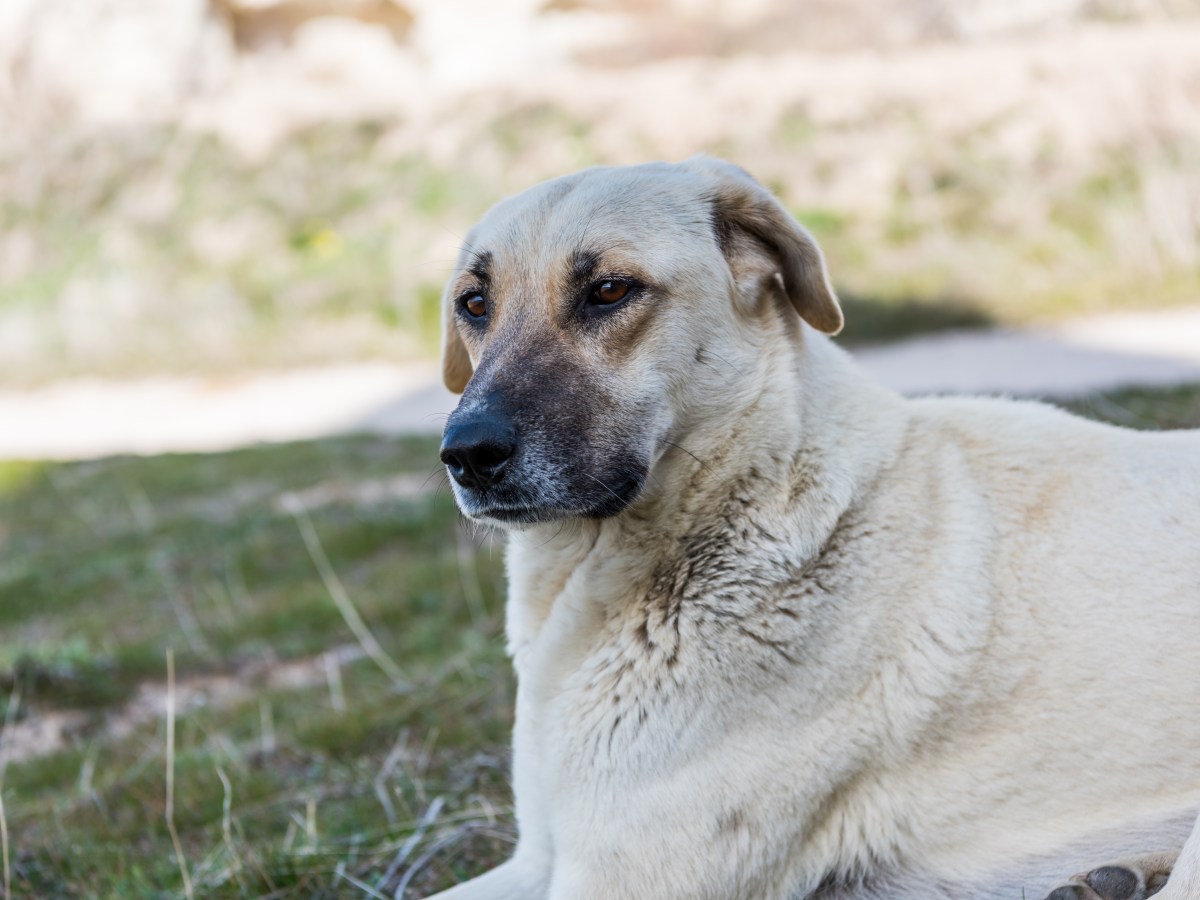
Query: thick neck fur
808,444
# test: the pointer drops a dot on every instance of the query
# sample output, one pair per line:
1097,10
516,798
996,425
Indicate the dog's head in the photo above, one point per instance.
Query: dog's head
594,318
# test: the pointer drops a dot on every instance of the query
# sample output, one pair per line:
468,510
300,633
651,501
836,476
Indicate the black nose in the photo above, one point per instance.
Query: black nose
476,451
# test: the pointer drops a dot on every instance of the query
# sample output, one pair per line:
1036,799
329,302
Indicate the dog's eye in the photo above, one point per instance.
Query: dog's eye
610,291
475,306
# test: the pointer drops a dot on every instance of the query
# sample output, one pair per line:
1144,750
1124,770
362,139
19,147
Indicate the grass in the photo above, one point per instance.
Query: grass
1164,409
302,767
107,564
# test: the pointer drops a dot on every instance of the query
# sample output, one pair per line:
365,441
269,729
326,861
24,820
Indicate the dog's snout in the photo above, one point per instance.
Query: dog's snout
477,450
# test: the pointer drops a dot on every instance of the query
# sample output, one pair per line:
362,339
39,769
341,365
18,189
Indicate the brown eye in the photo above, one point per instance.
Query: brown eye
475,306
609,292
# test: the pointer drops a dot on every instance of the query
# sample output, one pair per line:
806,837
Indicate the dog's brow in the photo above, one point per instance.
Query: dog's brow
582,266
480,265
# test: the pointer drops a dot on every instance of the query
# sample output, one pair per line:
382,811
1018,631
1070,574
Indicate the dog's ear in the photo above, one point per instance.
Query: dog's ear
742,208
456,362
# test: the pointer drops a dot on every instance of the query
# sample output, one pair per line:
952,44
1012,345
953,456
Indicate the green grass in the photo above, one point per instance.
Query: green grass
107,564
281,782
1169,408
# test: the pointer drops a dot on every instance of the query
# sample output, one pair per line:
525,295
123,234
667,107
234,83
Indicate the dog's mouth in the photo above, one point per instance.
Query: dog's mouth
599,500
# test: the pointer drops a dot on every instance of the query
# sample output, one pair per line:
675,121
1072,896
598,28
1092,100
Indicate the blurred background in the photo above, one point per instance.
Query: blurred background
224,227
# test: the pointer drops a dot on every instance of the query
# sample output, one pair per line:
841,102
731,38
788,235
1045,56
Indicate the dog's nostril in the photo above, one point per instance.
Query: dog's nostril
491,455
452,462
475,452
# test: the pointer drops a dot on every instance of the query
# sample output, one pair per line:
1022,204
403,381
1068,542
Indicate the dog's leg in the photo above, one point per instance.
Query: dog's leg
1184,883
1164,876
513,880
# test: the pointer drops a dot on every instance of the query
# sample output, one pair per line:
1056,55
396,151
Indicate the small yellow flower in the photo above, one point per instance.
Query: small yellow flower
326,244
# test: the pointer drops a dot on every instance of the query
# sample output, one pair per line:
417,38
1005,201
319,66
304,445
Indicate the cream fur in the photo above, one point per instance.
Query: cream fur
844,644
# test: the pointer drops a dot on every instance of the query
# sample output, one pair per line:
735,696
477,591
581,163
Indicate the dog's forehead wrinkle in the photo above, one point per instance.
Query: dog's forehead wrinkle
604,208
616,256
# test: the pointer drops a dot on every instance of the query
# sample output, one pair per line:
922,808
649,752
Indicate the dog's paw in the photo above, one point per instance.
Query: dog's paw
1130,879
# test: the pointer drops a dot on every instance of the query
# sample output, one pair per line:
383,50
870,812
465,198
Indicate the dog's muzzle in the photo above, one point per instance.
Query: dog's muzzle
506,467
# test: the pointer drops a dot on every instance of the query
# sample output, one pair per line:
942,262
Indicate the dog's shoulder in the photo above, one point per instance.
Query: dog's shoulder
1031,435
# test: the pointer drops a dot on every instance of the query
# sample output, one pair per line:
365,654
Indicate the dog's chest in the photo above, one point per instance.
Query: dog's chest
630,666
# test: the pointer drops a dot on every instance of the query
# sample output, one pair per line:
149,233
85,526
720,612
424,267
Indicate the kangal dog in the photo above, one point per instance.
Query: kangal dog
779,632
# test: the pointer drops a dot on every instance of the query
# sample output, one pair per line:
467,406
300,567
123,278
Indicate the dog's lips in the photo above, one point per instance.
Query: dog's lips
495,506
511,514
613,501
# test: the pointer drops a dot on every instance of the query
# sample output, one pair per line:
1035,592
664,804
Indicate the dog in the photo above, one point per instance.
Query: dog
779,632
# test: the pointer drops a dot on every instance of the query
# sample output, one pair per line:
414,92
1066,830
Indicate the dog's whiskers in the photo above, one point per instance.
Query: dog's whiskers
435,472
603,485
702,463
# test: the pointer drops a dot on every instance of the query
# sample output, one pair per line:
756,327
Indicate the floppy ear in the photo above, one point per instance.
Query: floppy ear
456,363
742,206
